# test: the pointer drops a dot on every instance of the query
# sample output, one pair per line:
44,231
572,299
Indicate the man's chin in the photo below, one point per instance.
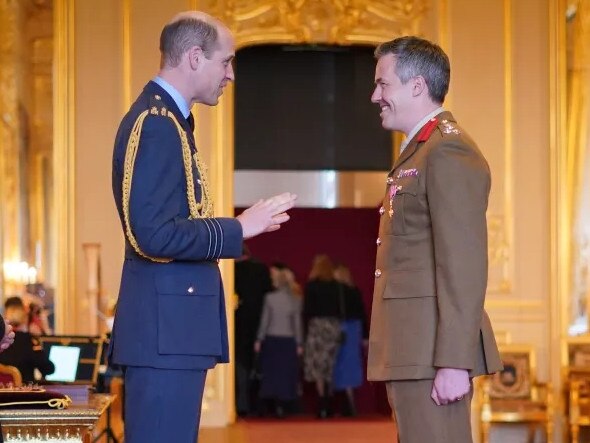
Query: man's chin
387,125
211,102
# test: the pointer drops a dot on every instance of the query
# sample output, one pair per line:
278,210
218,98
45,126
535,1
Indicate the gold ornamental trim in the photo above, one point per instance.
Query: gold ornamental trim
338,22
201,209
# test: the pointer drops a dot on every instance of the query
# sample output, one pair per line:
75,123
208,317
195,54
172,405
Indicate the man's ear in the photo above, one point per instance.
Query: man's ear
420,86
195,57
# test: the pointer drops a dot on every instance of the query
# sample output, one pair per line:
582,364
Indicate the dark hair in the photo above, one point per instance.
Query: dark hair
416,56
14,302
279,265
181,35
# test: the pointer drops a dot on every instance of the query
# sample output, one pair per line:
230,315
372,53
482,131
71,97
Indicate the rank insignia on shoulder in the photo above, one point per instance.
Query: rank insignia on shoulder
407,173
448,127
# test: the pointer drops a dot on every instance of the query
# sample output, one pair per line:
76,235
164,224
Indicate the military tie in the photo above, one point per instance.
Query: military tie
191,121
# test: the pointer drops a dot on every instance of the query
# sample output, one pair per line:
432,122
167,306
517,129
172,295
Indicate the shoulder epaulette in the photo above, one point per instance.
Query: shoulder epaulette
156,106
448,127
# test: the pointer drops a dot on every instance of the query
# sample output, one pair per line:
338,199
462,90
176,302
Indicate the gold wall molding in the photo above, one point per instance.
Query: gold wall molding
63,155
126,36
342,22
501,226
519,311
560,222
499,255
508,265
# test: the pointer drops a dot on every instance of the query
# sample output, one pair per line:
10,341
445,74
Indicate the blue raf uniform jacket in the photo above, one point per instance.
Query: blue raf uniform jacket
170,313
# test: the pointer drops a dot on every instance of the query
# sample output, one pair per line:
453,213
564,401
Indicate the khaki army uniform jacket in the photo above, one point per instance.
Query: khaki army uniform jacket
431,268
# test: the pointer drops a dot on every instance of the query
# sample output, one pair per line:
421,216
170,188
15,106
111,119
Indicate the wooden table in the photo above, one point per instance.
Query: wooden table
70,425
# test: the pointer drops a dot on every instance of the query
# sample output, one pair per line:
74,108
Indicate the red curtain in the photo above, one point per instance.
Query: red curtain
348,236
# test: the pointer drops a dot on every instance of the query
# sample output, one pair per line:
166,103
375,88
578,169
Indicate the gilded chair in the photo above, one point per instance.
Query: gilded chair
10,375
513,395
577,384
579,402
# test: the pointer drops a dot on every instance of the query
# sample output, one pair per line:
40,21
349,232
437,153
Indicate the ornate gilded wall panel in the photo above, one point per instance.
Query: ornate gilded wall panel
10,72
499,256
317,21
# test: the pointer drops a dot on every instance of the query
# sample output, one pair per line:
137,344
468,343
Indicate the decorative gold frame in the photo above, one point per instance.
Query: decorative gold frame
336,22
572,348
524,360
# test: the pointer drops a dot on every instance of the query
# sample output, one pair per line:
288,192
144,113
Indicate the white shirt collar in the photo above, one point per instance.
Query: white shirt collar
416,128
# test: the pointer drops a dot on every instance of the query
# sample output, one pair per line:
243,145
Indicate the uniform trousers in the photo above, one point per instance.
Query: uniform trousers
420,420
162,405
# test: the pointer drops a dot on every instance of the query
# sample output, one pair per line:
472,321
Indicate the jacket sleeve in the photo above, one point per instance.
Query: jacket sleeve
458,184
155,199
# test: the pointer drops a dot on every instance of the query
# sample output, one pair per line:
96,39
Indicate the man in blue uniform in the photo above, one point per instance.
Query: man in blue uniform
170,324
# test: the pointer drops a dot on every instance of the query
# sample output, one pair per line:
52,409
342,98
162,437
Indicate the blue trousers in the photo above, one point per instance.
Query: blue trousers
162,405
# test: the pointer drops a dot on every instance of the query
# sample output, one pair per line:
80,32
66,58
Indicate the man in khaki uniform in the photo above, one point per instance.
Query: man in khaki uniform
429,332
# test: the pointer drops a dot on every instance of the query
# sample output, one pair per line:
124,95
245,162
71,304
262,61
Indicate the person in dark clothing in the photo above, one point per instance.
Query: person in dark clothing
252,282
26,353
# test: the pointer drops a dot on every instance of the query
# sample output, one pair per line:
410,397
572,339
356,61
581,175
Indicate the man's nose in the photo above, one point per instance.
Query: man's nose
230,73
376,96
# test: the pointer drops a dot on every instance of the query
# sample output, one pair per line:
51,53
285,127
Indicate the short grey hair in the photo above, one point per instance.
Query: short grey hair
416,56
181,35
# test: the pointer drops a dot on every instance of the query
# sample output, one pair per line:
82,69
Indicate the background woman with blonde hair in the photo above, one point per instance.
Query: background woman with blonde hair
321,317
279,342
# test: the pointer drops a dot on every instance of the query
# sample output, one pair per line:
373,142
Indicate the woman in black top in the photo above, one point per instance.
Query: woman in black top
321,316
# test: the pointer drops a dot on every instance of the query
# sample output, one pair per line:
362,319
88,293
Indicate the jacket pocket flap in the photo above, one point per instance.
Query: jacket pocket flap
409,284
179,285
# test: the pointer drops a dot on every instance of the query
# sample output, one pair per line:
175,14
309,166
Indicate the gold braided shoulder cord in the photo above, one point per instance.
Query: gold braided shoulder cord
204,208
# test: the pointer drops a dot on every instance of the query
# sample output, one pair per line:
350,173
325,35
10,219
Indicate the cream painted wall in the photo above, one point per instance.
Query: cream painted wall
100,104
501,95
495,108
98,110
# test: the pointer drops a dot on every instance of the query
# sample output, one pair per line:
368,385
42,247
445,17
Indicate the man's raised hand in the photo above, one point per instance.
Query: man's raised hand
266,215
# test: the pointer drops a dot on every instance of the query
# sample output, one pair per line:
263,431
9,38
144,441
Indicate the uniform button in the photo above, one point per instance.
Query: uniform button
378,242
378,273
191,290
389,180
381,210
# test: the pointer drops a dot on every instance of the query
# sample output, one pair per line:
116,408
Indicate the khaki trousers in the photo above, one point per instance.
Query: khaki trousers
420,420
